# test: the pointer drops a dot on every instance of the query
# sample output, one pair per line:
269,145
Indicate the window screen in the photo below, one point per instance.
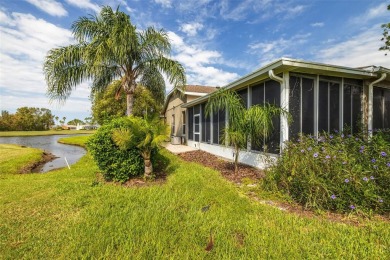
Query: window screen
190,123
206,134
272,96
381,108
244,96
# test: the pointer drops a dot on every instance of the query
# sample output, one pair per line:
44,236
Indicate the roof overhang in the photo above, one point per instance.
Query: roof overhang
298,66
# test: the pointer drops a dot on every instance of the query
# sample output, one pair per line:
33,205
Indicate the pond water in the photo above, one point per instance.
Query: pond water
50,145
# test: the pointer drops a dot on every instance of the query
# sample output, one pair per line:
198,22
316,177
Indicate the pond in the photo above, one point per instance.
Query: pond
50,145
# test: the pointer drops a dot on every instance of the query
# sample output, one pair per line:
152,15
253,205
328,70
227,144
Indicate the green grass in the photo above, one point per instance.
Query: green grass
68,214
13,158
75,140
42,133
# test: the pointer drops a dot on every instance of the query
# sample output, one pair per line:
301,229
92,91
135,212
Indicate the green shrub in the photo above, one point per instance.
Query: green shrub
335,172
116,164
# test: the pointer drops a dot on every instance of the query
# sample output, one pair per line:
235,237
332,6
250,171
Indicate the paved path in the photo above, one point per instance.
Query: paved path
178,148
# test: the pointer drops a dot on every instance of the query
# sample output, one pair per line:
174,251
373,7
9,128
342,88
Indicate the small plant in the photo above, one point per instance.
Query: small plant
338,172
116,164
144,134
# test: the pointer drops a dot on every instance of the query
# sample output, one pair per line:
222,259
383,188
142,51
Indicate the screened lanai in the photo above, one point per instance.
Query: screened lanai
319,97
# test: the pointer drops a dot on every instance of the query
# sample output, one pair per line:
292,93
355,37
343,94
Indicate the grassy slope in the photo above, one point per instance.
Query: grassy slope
67,214
41,133
14,157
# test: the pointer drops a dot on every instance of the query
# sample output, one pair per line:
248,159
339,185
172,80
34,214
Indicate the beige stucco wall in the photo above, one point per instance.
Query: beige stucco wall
174,108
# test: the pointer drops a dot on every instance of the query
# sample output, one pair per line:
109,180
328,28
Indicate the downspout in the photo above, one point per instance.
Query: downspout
371,102
274,77
284,99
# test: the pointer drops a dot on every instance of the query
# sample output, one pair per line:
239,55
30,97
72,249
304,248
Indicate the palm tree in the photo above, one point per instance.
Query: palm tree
254,123
146,135
109,47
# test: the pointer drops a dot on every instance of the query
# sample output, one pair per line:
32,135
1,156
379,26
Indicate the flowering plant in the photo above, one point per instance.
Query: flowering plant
336,171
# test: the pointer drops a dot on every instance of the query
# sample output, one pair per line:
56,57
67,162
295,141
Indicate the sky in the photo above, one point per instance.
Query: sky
216,41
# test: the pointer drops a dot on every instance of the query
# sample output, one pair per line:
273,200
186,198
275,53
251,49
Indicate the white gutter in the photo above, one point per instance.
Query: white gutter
274,77
284,96
371,102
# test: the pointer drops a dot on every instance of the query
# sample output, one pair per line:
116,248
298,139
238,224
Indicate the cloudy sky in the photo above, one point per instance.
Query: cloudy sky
216,41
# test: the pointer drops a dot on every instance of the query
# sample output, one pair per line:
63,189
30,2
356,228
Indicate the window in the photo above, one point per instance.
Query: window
328,106
196,123
206,126
218,126
183,118
191,123
267,92
381,108
301,105
244,96
352,99
173,125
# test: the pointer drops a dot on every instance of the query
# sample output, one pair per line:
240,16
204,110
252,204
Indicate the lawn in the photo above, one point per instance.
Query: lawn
70,214
42,133
13,158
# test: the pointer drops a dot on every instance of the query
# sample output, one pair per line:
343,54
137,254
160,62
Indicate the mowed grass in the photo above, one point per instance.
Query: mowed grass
43,133
68,214
13,158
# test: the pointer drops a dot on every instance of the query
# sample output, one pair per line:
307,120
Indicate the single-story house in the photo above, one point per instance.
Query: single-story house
320,97
175,115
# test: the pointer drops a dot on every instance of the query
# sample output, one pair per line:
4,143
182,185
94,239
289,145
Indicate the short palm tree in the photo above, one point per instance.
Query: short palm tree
109,47
146,135
254,123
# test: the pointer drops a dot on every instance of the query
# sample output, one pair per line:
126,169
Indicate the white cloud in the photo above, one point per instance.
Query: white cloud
264,9
201,65
191,29
360,50
49,6
164,3
271,50
371,14
318,24
25,41
84,4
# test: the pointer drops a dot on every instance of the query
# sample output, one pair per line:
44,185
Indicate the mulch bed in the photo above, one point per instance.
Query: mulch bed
226,168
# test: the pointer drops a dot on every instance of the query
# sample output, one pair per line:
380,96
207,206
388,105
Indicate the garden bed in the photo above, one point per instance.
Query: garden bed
226,168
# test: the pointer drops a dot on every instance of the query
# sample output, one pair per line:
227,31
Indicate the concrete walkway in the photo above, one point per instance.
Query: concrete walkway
178,148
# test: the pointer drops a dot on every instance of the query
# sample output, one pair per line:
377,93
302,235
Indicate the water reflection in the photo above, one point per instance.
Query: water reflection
49,144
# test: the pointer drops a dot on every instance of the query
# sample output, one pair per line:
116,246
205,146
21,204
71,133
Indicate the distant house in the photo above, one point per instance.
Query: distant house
175,115
320,97
86,127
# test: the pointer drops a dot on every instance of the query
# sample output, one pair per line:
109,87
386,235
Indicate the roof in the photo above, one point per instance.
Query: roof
200,89
299,66
193,90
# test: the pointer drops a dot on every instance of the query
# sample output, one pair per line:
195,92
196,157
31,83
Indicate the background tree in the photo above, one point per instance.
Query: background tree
26,119
105,106
386,36
56,118
75,122
254,123
109,47
145,134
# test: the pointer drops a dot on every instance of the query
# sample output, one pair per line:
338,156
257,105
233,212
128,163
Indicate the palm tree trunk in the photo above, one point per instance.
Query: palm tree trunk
130,103
237,150
148,171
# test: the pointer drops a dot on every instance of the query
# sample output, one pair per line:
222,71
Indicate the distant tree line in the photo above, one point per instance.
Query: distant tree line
26,119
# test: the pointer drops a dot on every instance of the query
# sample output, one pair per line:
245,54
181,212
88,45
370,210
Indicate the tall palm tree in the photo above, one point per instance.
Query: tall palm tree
146,135
254,123
109,47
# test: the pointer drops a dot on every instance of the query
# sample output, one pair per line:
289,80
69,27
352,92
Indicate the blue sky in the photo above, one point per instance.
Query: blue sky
216,41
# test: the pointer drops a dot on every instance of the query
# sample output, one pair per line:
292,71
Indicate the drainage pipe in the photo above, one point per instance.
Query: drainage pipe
371,102
284,100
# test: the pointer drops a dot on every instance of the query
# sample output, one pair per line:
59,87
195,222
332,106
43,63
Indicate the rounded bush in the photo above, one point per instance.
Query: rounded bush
117,165
338,172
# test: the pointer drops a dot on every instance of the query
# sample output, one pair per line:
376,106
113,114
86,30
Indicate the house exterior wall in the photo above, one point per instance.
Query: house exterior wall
175,115
319,102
